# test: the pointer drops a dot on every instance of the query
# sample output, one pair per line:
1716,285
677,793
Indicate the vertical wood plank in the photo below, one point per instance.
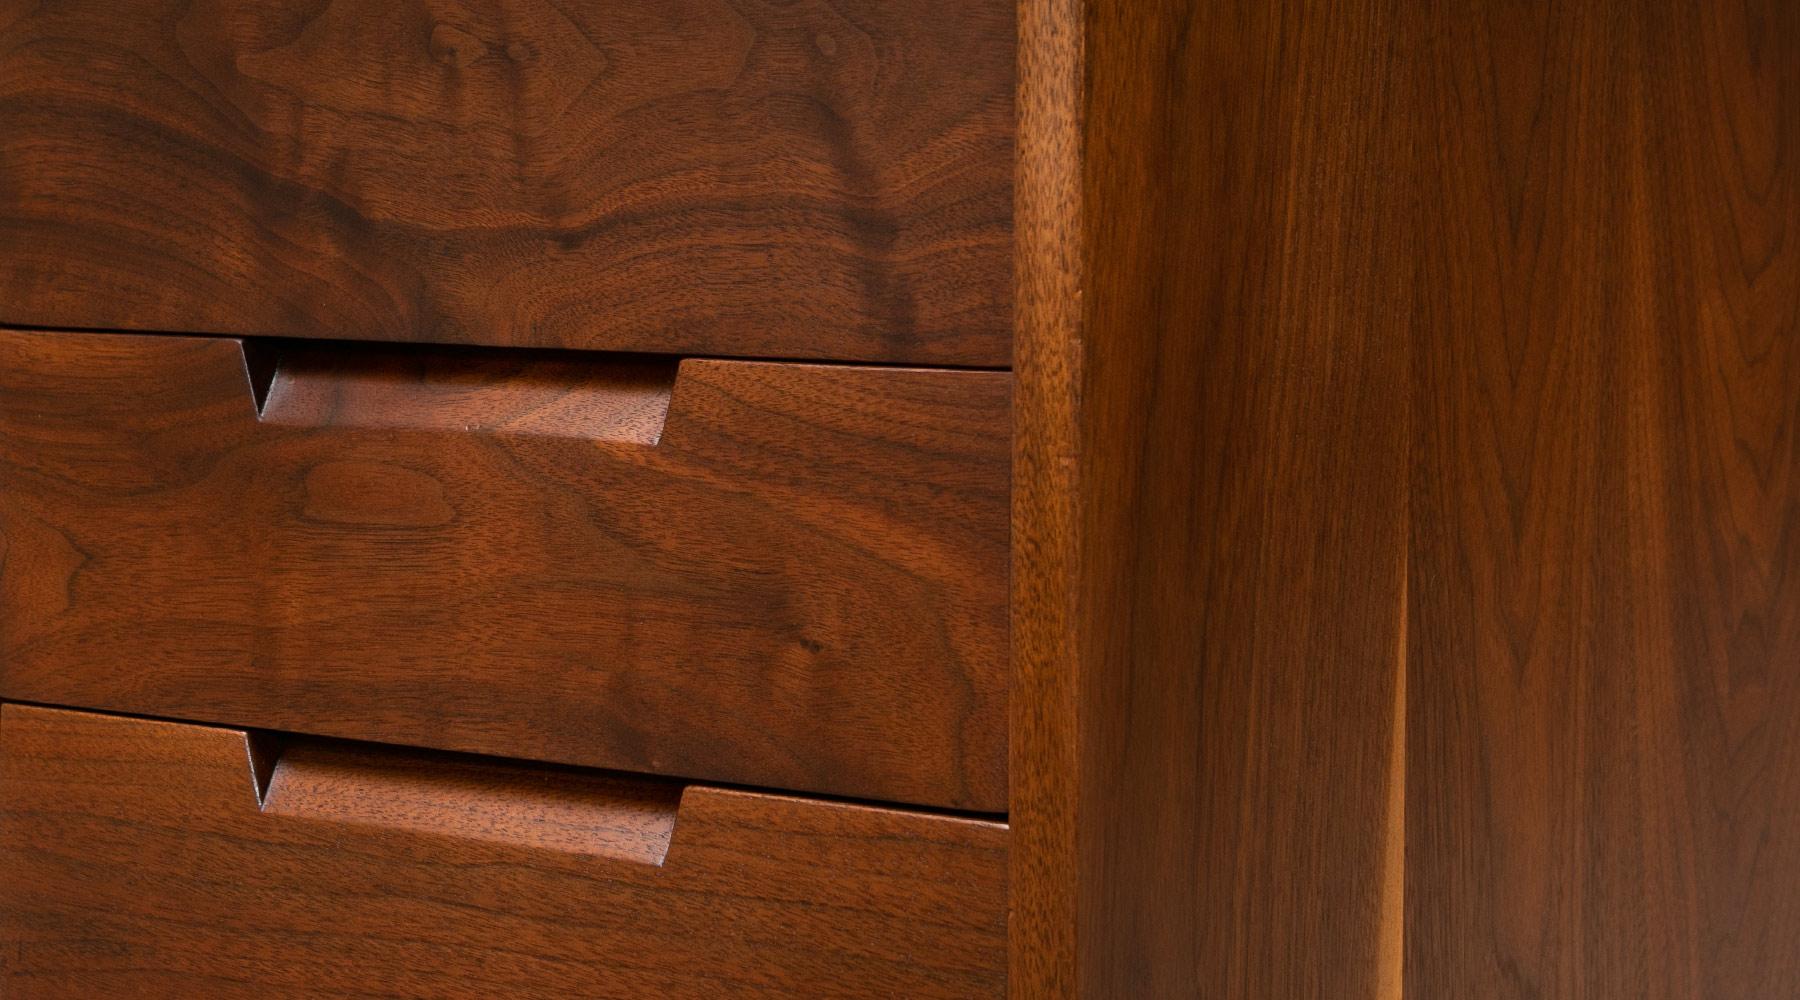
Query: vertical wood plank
1209,499
1044,764
1604,760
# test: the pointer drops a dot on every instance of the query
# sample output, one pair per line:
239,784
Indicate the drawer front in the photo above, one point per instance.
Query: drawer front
142,858
817,180
781,575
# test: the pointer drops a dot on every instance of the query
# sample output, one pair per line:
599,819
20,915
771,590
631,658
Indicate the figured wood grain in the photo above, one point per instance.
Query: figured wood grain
1210,497
134,862
801,584
829,179
1604,719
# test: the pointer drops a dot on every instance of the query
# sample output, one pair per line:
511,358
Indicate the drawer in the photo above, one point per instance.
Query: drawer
779,575
142,858
769,179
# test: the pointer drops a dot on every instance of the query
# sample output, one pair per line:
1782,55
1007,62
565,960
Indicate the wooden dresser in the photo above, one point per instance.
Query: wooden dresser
1138,499
505,498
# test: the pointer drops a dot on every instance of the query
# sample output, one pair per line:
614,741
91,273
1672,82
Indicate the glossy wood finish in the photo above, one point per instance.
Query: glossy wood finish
134,861
829,179
1604,778
800,584
1210,499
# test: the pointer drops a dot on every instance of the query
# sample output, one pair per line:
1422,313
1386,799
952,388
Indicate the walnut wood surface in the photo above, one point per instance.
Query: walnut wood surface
1459,339
539,394
829,179
520,805
801,584
134,861
1210,496
1604,783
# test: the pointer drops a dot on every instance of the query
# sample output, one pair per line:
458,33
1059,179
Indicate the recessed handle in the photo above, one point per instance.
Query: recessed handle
620,398
565,810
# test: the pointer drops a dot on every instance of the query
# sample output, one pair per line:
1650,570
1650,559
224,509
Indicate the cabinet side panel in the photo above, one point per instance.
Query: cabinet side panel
1605,663
1210,507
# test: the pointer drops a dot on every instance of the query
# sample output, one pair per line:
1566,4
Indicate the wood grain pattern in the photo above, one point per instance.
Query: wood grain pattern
1497,421
828,179
537,394
801,585
1045,710
1210,496
591,813
1604,690
134,862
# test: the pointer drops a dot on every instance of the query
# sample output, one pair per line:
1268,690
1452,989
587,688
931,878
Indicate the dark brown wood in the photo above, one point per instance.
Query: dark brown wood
1604,777
134,861
830,179
801,583
1210,499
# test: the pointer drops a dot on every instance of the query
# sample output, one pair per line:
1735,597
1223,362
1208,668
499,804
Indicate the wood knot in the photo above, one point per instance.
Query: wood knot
453,46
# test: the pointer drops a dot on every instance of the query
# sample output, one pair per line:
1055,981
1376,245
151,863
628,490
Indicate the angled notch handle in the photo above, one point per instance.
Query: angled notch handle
451,795
620,398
